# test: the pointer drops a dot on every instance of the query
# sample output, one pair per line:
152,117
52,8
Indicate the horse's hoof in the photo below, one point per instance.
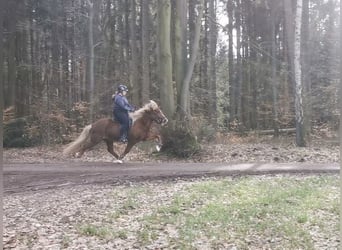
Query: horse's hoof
118,161
158,148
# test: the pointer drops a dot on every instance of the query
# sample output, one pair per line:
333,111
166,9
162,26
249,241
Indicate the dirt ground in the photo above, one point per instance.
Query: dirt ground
46,168
48,196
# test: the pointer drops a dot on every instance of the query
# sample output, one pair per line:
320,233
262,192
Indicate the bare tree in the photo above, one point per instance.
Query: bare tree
1,107
305,53
340,95
274,69
145,87
185,95
167,94
134,53
238,80
299,105
12,22
180,53
57,53
231,81
212,63
1,71
91,59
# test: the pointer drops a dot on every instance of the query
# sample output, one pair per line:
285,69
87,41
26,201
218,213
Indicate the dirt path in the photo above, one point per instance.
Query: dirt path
23,177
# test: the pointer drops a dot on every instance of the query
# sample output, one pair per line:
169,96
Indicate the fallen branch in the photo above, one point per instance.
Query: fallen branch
271,131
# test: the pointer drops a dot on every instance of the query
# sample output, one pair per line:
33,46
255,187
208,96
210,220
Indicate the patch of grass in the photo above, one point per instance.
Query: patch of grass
65,241
262,210
122,234
130,203
101,232
259,212
93,230
147,234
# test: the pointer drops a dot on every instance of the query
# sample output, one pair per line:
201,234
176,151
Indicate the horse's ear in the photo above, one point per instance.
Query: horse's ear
153,104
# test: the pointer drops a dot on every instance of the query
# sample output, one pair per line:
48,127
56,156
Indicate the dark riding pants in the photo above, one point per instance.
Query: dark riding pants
123,119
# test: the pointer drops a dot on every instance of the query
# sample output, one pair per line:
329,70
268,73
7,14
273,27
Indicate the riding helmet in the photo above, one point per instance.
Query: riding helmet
122,88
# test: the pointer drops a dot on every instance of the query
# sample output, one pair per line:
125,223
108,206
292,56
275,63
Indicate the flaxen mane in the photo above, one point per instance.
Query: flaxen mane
152,105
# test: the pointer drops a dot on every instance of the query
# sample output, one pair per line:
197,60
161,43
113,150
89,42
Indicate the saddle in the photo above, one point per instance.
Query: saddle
130,122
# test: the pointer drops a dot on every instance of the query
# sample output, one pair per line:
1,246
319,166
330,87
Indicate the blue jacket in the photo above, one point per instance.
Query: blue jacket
121,104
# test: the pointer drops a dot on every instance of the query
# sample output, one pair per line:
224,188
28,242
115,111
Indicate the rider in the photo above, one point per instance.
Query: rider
120,111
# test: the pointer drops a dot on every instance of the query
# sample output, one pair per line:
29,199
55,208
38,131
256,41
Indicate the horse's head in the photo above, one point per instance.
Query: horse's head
155,113
151,111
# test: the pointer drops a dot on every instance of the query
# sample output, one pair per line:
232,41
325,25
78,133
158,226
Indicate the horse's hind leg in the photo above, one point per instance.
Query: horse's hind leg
111,149
93,141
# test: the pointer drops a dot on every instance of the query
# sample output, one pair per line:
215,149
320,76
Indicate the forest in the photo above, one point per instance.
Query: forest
212,65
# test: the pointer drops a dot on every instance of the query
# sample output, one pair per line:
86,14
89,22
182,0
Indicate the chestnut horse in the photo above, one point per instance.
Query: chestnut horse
109,131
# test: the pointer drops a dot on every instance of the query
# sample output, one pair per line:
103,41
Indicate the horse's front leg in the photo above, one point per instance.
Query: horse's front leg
111,149
159,143
128,148
79,153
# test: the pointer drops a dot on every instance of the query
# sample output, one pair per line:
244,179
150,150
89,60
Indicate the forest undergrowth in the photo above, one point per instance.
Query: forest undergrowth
231,148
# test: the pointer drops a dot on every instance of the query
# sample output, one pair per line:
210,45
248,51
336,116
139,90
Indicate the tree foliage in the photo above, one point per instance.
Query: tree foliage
58,53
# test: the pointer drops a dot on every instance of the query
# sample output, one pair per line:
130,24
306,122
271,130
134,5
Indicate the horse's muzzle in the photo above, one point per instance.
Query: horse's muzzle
164,121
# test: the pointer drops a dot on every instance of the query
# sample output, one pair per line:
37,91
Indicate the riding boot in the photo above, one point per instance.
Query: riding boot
123,138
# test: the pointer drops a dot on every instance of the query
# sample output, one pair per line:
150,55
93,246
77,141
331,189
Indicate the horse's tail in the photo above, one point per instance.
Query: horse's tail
79,143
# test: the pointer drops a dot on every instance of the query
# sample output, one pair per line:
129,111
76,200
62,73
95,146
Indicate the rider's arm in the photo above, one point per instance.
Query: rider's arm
123,103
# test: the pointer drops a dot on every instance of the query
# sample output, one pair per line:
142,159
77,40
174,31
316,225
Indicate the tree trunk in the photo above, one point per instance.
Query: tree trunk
289,31
12,84
34,61
65,60
165,60
252,103
73,95
245,74
287,81
191,21
133,74
91,60
126,34
55,40
185,93
238,86
121,37
22,78
231,82
274,71
203,83
340,89
2,5
305,50
109,45
197,90
145,87
299,105
212,63
180,46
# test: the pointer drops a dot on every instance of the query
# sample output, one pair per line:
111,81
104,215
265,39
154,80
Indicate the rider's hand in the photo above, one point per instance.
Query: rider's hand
133,108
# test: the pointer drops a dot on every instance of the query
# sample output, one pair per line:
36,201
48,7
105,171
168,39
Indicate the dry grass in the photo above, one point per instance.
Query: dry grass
259,212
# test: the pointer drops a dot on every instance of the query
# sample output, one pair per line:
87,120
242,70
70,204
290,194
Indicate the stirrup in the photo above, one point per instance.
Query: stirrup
123,140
